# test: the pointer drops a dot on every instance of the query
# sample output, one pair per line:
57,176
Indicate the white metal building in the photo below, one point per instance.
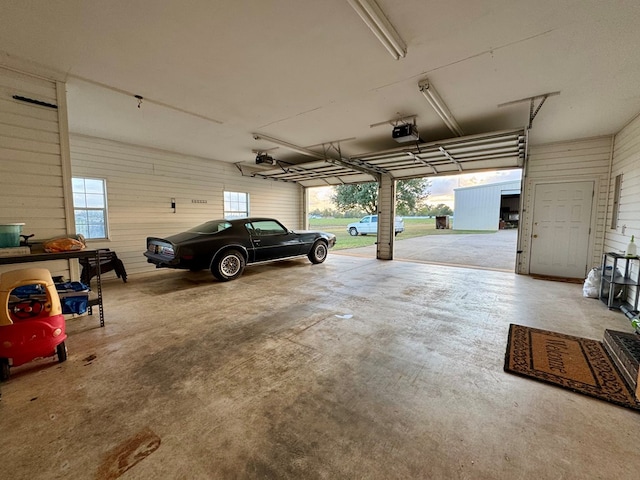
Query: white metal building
482,207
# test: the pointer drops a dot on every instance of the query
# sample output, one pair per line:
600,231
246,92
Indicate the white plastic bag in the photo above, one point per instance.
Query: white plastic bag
591,288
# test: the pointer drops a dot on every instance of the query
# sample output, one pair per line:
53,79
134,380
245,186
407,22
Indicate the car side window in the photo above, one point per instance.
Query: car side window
268,227
365,220
374,219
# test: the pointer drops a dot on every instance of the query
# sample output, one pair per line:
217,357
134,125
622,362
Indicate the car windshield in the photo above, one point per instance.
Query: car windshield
214,226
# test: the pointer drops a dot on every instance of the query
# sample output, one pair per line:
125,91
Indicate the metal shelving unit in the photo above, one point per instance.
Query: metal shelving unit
619,273
45,257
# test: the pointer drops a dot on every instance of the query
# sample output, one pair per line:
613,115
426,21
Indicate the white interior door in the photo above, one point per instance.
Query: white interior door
561,229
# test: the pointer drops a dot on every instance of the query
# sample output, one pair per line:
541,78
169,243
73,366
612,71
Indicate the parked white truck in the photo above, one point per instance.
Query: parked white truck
369,224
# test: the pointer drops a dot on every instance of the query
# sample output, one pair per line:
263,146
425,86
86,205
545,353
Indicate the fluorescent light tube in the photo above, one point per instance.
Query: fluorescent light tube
439,106
373,16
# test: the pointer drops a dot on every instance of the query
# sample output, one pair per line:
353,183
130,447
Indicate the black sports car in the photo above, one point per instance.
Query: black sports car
226,246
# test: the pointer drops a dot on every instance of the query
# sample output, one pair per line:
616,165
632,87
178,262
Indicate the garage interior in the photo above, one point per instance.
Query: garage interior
358,367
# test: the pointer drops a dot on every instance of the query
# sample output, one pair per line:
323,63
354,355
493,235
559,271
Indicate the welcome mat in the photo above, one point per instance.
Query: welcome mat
579,364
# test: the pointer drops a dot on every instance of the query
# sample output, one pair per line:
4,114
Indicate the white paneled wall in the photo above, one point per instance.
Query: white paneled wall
142,181
626,161
31,161
578,160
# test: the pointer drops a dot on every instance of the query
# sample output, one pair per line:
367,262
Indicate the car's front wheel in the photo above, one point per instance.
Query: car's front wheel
228,265
318,253
353,232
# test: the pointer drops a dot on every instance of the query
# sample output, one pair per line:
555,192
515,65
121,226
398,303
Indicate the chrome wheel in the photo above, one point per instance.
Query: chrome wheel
318,253
228,265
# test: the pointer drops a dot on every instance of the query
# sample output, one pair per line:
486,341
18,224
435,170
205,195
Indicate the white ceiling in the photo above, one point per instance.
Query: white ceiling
310,71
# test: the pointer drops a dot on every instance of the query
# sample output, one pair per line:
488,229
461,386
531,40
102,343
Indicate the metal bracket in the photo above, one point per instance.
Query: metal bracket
532,112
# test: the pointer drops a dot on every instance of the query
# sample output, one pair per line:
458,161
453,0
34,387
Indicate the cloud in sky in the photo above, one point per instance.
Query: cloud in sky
442,187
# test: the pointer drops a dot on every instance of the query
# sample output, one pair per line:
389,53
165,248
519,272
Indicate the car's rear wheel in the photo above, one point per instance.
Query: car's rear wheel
318,253
228,265
353,232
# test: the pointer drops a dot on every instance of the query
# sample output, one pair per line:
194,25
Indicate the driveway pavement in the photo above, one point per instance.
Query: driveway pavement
495,251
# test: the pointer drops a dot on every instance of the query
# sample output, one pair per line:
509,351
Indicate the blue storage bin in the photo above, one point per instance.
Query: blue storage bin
74,297
77,304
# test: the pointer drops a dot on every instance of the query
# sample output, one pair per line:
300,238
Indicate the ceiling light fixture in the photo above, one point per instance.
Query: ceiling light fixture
439,106
378,23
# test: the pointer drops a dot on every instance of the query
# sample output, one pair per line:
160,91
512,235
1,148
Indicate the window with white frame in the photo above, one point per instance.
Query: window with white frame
236,205
90,207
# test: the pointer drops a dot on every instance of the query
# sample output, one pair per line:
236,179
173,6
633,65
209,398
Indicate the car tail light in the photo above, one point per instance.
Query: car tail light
160,249
187,257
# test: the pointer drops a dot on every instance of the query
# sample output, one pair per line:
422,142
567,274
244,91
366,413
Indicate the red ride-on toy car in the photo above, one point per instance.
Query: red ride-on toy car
31,326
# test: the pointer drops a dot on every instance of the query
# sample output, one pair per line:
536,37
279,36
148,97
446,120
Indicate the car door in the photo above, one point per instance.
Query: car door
365,225
373,226
271,241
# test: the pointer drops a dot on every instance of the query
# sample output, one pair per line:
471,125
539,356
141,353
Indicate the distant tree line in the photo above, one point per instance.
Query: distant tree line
352,201
425,211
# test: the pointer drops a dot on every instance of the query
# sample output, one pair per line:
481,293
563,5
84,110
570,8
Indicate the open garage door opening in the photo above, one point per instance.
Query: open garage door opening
464,220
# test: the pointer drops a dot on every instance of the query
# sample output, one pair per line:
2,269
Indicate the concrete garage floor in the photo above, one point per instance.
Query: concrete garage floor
485,250
353,369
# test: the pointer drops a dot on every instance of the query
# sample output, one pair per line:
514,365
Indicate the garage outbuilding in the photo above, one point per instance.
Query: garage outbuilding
487,207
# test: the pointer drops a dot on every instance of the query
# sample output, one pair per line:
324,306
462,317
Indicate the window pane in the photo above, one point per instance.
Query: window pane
96,231
81,217
79,200
78,185
96,217
236,205
90,207
94,186
268,227
82,230
95,201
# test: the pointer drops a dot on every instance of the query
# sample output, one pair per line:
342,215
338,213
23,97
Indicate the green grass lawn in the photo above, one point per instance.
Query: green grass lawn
413,227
